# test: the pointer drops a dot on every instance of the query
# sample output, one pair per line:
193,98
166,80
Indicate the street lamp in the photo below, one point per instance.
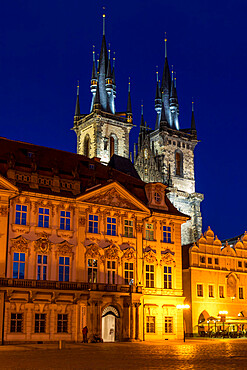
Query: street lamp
183,307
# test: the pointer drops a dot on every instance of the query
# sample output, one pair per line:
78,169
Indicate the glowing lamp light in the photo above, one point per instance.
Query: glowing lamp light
223,313
183,306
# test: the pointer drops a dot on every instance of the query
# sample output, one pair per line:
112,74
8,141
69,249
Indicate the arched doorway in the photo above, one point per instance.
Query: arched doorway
110,324
202,321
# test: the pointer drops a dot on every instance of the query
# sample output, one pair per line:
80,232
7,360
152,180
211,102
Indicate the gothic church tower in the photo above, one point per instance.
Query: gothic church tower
103,132
166,154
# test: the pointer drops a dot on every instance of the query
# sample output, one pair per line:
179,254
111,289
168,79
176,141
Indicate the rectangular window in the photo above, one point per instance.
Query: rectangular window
41,267
199,290
202,259
221,291
19,265
168,324
64,220
150,324
150,276
167,234
20,214
239,263
149,231
63,268
241,292
128,273
16,322
216,261
111,226
211,291
44,217
93,224
167,277
40,321
62,323
92,270
111,272
209,260
128,228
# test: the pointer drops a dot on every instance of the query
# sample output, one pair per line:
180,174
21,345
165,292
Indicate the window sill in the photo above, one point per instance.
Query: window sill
40,230
20,228
65,233
162,241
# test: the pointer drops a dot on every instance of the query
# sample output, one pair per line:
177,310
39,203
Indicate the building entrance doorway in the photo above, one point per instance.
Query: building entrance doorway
110,324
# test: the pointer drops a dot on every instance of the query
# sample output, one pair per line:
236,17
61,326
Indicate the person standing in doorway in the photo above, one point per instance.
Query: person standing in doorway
84,333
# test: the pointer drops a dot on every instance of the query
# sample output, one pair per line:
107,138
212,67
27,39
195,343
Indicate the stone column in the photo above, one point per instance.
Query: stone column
137,305
132,336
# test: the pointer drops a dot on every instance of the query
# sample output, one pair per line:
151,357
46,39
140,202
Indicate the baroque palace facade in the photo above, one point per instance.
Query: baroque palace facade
84,244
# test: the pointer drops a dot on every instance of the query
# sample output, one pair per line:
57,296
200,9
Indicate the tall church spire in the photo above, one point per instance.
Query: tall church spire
129,108
193,123
103,63
77,106
94,79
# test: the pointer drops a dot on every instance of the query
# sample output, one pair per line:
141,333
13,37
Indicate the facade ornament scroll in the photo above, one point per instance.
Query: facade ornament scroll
3,211
139,227
93,251
82,220
150,257
112,252
128,254
167,259
43,245
65,249
19,244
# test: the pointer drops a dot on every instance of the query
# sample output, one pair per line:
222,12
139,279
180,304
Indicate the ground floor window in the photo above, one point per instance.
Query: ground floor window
150,324
16,322
168,324
128,272
40,321
62,323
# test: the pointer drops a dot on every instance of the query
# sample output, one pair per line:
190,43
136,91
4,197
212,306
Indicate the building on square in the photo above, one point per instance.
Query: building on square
214,284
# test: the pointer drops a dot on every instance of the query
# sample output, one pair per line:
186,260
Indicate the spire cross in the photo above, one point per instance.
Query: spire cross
165,46
103,20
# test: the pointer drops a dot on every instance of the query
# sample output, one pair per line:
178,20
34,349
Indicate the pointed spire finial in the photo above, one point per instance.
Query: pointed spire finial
157,73
78,87
193,104
165,45
109,51
103,20
98,63
129,85
172,72
93,53
142,107
175,80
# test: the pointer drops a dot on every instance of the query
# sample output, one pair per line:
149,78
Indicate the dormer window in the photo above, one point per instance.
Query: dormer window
157,197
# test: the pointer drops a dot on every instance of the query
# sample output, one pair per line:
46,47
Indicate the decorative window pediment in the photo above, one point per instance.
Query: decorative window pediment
167,258
128,254
43,245
150,256
19,244
65,249
113,252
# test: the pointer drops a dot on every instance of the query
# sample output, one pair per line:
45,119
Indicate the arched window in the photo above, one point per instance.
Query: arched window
179,163
113,145
86,146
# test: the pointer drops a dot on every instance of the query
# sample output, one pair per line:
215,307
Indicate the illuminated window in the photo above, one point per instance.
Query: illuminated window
111,272
62,323
216,261
128,272
150,324
20,214
178,163
16,322
86,146
92,270
40,321
199,290
93,224
167,234
44,217
65,220
18,265
239,263
149,231
111,226
241,292
168,324
64,265
128,228
112,146
150,276
202,259
167,277
42,267
221,291
211,291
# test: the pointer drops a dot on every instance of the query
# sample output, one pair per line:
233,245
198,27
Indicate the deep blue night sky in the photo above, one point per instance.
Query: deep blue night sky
45,46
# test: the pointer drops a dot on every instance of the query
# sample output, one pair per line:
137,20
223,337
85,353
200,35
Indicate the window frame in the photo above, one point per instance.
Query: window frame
64,322
149,231
111,272
18,263
241,296
111,224
93,224
42,265
40,318
127,272
150,324
18,322
66,226
201,295
211,291
64,274
150,282
167,234
92,268
42,221
127,228
169,328
168,275
223,291
22,213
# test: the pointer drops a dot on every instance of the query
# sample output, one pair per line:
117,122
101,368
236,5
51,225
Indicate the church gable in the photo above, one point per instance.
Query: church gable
114,195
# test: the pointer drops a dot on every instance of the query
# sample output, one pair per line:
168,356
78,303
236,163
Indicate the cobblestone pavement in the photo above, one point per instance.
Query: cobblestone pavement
193,354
